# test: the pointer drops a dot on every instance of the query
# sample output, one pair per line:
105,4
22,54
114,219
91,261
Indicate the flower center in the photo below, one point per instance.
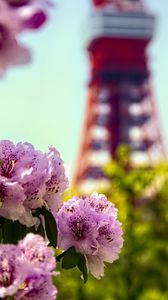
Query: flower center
105,231
79,227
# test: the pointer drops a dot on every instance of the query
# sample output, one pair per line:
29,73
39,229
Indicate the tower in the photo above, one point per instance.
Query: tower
120,106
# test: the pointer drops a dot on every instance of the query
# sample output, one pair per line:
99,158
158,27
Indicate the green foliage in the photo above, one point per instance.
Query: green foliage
50,227
82,267
13,231
141,196
71,259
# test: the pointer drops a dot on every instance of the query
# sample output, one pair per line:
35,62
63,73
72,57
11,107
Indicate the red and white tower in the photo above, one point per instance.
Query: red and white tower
120,107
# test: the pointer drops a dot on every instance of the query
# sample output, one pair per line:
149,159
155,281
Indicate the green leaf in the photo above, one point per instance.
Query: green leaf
70,259
40,230
1,234
50,227
13,231
82,267
60,256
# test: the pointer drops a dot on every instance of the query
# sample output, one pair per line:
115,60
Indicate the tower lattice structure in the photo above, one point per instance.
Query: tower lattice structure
120,106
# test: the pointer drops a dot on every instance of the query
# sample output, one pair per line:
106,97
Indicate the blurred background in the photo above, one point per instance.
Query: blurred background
44,103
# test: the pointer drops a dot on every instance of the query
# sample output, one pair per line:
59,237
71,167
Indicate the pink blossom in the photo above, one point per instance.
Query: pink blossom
90,225
17,16
38,287
29,179
26,270
12,272
35,251
11,200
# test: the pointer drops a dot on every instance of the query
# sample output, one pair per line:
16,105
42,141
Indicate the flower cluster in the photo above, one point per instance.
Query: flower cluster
90,225
26,270
17,16
85,228
29,179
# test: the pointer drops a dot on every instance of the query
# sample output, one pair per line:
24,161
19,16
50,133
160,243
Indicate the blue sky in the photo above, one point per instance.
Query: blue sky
43,103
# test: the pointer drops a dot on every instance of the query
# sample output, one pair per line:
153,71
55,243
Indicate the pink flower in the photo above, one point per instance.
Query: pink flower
12,272
38,287
26,270
29,179
11,53
17,16
35,251
11,200
90,225
57,182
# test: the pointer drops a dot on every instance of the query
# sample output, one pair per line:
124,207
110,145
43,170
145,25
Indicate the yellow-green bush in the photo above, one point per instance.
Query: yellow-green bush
141,273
